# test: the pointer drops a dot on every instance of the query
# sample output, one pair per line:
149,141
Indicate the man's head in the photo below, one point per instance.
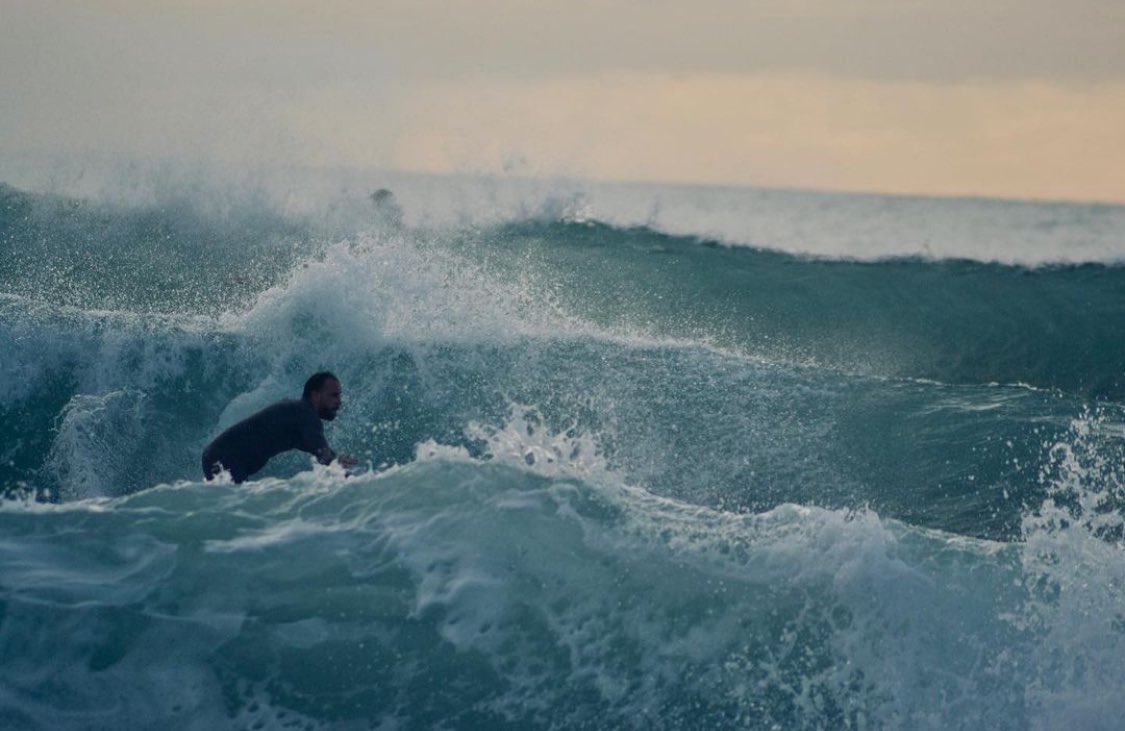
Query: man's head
322,390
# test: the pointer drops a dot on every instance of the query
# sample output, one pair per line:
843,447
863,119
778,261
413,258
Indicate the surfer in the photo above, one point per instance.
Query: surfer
244,448
387,208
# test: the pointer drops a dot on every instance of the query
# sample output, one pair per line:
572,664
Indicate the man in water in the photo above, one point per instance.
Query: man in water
244,448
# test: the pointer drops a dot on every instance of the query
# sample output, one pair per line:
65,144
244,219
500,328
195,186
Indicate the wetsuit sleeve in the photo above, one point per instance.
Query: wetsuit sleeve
312,439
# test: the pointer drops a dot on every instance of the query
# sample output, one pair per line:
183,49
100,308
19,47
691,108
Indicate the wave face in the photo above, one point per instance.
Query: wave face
627,464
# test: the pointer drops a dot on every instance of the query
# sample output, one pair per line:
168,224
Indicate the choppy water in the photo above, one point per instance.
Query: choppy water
637,457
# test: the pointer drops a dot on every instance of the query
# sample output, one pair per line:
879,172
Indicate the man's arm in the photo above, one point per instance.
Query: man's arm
312,441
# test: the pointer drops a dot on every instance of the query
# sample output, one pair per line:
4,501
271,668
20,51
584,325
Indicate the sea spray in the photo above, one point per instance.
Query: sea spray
1073,566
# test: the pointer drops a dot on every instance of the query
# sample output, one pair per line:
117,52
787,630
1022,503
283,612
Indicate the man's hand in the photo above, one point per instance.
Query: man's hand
327,456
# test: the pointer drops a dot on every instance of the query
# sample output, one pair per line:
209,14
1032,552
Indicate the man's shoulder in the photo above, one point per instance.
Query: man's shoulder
288,411
295,404
291,408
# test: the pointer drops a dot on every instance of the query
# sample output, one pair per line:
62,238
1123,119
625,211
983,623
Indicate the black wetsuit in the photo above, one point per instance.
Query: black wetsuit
244,448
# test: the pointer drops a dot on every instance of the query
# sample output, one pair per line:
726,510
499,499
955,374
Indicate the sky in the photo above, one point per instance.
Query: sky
1003,98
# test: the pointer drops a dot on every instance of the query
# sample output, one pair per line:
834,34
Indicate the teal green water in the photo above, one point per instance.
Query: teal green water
615,477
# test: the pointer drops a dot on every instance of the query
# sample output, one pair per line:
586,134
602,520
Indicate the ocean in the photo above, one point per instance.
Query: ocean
632,457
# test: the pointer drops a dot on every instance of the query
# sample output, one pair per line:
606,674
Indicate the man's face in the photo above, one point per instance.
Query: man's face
327,400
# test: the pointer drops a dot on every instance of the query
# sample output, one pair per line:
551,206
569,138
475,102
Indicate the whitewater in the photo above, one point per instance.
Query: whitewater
632,456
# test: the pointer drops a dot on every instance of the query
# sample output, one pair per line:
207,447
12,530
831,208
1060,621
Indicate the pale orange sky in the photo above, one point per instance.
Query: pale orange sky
1020,99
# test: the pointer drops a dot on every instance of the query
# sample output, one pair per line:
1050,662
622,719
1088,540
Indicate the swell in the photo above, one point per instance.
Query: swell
954,321
703,487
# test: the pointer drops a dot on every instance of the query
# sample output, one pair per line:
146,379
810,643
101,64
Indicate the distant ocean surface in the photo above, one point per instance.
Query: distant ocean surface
634,456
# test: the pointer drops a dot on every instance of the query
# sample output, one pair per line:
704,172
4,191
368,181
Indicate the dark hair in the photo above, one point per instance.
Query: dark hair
316,382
